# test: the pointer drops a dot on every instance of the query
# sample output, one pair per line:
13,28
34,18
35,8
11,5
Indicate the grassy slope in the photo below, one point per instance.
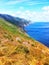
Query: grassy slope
17,48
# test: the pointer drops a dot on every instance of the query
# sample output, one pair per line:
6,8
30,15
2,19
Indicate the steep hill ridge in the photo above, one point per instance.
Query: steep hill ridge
15,20
17,48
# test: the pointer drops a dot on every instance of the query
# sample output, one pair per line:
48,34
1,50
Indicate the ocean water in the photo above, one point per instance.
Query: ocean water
39,33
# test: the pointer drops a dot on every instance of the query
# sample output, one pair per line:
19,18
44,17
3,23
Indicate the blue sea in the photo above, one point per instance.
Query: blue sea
39,31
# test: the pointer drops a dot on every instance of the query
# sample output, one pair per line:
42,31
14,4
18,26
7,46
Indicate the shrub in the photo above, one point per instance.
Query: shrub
19,41
46,64
21,49
32,44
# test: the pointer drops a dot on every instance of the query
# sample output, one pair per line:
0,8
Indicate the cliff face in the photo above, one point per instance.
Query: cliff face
17,48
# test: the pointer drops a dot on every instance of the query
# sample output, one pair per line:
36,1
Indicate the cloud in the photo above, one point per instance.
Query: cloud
36,3
34,16
46,8
6,12
15,2
12,2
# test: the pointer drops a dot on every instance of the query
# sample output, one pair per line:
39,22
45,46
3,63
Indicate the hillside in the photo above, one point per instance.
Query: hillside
17,48
15,20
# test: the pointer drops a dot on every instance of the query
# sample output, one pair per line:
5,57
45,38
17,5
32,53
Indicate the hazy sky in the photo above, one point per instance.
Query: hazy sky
34,10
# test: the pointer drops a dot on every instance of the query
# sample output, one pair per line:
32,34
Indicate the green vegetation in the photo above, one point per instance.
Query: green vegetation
12,28
5,25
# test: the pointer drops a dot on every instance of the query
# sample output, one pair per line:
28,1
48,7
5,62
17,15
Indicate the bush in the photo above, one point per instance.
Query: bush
19,41
32,44
46,64
21,49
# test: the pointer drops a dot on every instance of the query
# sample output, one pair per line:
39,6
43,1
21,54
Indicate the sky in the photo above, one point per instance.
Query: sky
33,10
